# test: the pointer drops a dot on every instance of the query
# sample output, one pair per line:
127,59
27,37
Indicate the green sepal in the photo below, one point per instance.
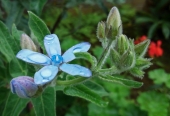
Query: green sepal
115,57
127,60
101,31
109,71
122,44
137,72
126,82
141,48
143,63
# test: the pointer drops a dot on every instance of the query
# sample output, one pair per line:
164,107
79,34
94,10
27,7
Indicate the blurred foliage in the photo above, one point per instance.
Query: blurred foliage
155,18
72,21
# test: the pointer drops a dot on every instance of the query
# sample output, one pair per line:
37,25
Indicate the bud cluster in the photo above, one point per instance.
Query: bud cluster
129,57
124,54
111,28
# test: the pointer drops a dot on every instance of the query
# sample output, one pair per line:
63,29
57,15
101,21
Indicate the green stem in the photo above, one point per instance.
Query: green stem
104,55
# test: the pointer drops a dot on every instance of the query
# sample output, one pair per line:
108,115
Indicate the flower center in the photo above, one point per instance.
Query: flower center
56,60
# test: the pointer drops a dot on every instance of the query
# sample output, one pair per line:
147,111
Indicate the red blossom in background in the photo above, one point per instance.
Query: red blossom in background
154,49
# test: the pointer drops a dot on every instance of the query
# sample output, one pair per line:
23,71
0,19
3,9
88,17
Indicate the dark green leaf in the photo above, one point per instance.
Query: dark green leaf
44,105
84,92
165,30
122,81
15,12
8,45
14,105
144,20
34,5
38,27
153,28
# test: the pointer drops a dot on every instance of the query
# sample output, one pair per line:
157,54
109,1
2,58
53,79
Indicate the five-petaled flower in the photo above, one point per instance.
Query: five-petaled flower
23,86
55,61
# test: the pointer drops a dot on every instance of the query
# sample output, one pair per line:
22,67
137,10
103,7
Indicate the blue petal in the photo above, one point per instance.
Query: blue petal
33,57
52,45
69,54
45,75
74,69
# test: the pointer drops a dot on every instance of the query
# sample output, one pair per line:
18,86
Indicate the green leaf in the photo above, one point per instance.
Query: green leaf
122,81
44,105
159,76
38,27
15,11
34,5
141,48
8,46
87,56
153,28
17,35
165,30
84,92
96,88
156,104
14,105
144,20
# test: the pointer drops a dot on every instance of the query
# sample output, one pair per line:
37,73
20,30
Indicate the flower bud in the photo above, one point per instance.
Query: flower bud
27,43
114,19
101,30
122,44
23,86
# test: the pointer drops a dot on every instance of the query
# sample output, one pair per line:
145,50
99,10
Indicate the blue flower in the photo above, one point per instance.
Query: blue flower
55,61
23,86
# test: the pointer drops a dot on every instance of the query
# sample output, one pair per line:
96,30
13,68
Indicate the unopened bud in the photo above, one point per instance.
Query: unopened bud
114,19
27,43
24,86
101,30
122,44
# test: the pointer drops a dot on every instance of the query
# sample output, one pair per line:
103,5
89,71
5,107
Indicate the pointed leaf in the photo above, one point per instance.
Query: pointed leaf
122,81
17,35
14,105
8,46
44,105
38,27
84,92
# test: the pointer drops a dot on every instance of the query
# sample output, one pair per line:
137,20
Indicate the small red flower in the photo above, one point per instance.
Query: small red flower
142,38
155,49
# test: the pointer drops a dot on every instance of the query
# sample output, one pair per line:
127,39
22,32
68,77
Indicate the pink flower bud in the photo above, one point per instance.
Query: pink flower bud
23,86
